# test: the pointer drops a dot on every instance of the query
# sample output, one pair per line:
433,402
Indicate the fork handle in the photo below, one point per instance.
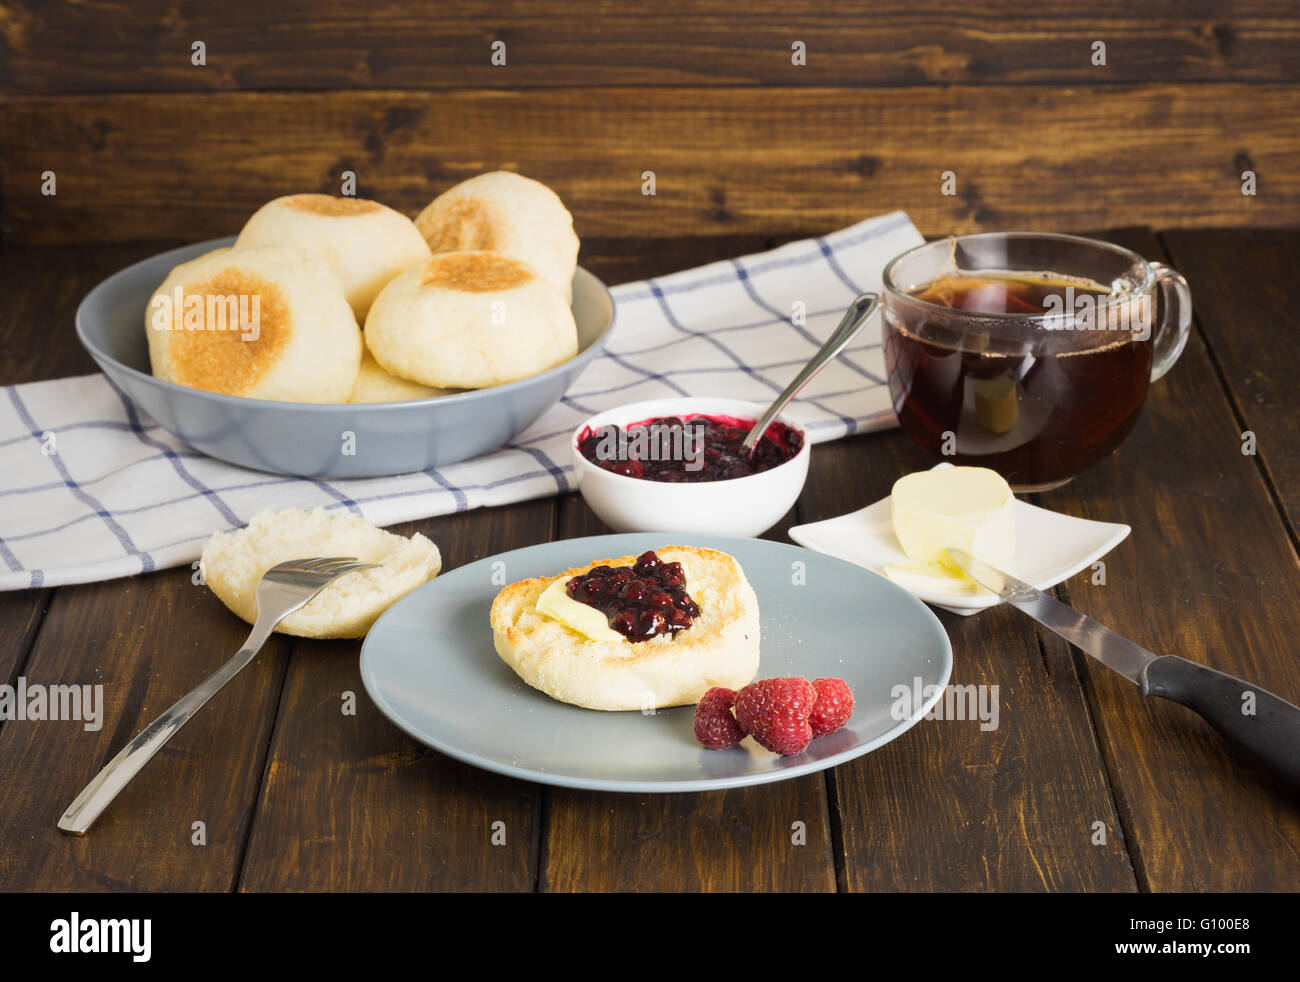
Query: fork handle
92,801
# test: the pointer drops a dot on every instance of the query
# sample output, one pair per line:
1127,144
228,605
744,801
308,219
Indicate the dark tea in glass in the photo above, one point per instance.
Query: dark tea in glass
1030,355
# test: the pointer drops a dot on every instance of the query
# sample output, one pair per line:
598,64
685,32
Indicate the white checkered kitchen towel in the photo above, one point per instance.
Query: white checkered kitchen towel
121,496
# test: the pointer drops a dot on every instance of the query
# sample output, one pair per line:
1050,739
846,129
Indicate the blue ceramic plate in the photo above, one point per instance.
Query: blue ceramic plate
302,439
430,666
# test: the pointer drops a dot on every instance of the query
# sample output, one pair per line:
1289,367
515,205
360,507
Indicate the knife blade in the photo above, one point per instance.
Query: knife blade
1113,650
1263,725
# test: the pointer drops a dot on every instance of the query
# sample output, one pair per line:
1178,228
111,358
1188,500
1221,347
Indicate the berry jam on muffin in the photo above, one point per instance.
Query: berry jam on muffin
641,600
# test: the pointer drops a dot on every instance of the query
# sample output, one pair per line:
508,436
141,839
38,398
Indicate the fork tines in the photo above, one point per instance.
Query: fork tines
325,566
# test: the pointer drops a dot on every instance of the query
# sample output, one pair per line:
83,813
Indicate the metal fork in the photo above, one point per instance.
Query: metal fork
282,590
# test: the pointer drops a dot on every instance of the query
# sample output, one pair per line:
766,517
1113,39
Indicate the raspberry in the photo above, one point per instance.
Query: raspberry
833,708
715,727
775,713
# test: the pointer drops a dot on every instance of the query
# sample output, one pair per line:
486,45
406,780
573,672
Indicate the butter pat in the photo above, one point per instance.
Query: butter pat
969,508
586,620
555,602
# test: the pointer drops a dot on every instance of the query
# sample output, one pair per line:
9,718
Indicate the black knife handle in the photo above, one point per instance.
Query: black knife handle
1271,734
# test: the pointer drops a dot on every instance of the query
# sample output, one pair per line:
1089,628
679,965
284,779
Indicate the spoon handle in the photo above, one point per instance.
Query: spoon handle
855,318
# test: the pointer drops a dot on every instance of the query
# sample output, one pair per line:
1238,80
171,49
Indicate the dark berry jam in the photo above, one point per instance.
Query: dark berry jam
687,449
639,601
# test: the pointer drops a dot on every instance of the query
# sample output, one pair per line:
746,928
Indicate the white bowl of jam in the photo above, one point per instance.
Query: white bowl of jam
675,465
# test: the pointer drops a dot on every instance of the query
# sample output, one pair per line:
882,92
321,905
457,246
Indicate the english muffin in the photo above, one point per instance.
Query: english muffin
233,563
373,384
720,647
510,214
365,242
467,320
268,323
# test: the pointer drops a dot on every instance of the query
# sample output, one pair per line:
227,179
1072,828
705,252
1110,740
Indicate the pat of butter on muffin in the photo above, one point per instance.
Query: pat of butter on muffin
556,603
969,508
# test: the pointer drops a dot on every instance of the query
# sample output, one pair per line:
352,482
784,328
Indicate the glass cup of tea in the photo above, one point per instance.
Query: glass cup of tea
1027,353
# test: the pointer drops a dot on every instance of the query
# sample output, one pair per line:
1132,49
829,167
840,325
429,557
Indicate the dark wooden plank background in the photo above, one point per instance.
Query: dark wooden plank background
727,160
146,145
1251,286
144,46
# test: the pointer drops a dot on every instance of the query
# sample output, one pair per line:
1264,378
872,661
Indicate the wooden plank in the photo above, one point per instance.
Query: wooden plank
788,161
1247,296
403,44
42,287
738,840
622,259
950,805
147,641
1210,574
717,841
350,803
21,613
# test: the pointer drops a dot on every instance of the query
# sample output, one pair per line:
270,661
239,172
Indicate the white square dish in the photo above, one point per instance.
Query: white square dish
1050,548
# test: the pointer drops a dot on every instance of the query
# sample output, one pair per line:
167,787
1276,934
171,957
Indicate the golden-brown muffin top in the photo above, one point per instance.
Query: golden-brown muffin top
330,206
464,223
475,272
224,360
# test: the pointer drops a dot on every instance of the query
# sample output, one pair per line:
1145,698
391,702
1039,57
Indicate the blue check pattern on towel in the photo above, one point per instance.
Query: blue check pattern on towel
90,489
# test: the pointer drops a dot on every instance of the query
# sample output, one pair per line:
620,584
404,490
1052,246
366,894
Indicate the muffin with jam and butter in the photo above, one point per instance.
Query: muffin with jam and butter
637,632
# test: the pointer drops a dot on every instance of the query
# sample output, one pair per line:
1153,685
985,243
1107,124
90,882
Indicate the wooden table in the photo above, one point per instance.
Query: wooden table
295,795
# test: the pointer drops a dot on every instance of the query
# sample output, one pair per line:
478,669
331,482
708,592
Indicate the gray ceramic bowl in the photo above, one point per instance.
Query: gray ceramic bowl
306,439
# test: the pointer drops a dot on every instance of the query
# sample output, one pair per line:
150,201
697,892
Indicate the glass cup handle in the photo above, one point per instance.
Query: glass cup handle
1175,319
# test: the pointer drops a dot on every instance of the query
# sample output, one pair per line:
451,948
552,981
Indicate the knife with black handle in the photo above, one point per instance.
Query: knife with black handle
1264,726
